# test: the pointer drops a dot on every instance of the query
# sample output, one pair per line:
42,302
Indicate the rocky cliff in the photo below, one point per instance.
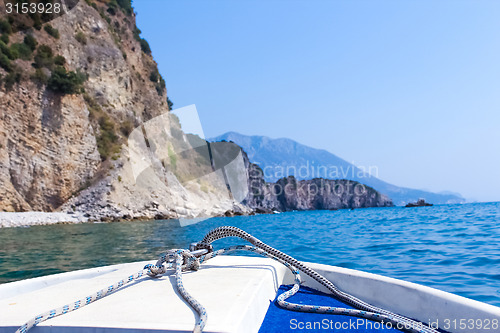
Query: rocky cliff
75,88
54,142
289,194
69,101
284,157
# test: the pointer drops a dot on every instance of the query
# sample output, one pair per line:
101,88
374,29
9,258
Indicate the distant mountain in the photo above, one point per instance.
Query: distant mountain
283,157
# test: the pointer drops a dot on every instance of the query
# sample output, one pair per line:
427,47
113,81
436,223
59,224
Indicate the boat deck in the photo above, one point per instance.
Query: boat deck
281,320
236,292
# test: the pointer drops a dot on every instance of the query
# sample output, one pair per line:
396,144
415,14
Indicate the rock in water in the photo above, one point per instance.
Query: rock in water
419,203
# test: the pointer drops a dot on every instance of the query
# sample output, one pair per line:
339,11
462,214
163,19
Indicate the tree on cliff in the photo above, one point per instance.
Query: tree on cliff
65,82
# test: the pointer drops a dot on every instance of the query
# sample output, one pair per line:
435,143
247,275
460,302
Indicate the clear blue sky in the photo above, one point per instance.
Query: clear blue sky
412,87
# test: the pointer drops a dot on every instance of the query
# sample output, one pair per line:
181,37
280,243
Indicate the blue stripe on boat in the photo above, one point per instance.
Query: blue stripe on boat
282,320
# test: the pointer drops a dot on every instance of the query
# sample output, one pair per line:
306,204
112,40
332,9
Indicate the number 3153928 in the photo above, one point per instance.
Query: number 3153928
32,8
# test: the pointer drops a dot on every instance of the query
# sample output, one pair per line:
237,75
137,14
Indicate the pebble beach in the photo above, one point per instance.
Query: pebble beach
26,219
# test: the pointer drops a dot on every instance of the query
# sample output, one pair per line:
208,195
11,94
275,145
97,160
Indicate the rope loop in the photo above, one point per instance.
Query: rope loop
190,262
154,270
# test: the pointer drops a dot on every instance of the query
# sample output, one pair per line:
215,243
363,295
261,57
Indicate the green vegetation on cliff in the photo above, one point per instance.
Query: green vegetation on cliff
52,31
61,80
65,82
76,98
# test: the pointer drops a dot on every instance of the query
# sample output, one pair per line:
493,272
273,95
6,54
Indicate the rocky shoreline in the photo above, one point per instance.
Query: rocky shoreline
26,219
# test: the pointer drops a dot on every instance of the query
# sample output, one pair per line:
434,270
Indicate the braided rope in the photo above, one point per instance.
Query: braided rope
200,324
79,303
172,258
365,310
182,260
281,299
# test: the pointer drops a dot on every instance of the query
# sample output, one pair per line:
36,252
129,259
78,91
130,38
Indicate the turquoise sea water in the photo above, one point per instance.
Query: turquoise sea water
455,248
